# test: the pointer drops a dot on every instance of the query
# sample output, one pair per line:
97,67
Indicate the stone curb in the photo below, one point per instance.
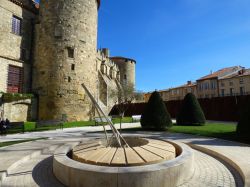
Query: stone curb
224,158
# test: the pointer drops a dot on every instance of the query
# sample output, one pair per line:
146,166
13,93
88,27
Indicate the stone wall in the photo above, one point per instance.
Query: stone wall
17,111
108,80
65,57
11,44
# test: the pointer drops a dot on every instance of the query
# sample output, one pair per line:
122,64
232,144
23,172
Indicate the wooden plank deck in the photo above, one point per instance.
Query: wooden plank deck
152,152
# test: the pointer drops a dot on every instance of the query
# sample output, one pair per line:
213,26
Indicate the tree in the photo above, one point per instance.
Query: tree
125,96
243,127
155,115
191,112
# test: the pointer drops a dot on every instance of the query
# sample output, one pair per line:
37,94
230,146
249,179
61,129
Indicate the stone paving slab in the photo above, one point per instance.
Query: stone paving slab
210,172
37,171
62,133
238,153
13,155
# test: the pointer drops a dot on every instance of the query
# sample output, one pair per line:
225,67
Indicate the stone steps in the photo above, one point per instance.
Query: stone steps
36,171
17,154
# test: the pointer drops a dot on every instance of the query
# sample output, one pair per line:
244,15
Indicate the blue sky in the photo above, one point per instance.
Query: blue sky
176,40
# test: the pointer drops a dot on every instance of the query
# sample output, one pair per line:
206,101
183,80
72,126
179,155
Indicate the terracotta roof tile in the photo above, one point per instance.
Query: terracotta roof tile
221,72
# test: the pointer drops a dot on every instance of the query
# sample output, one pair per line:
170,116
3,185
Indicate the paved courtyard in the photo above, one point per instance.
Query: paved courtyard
30,163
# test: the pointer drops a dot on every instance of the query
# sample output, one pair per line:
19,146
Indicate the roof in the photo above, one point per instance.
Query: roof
120,57
240,73
182,86
221,73
185,86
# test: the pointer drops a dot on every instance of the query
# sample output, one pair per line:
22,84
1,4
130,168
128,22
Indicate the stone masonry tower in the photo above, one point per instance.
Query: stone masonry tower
65,57
127,70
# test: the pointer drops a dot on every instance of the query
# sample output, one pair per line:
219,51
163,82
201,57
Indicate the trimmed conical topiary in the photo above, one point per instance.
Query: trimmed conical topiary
243,128
155,115
191,112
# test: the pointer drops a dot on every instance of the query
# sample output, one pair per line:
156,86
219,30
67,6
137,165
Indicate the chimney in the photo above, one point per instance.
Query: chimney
242,71
189,82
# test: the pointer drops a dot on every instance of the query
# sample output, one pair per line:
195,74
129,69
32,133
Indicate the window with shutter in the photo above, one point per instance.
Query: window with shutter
15,79
16,25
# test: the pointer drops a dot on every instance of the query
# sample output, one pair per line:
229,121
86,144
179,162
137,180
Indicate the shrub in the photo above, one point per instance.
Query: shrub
10,97
155,115
190,112
243,127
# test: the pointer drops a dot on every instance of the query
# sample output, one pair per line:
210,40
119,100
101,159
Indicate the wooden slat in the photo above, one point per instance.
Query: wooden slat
80,157
160,142
146,155
119,157
88,149
163,154
84,148
97,155
165,148
106,160
133,158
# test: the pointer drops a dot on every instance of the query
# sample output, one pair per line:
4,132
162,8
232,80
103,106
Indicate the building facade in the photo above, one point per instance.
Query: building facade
229,81
177,93
16,35
50,50
236,84
208,86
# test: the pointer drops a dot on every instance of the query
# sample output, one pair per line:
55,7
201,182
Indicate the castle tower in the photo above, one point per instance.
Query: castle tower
65,57
127,70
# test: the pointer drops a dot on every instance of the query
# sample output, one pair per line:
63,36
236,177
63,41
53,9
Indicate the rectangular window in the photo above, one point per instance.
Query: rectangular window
69,79
242,90
16,25
72,67
222,92
222,84
231,91
231,83
241,81
70,52
15,79
214,85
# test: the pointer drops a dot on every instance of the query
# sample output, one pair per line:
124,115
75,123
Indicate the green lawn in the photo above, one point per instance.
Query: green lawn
31,126
4,144
217,130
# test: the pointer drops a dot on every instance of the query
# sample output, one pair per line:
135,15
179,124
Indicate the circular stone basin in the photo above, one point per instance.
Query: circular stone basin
145,163
140,151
